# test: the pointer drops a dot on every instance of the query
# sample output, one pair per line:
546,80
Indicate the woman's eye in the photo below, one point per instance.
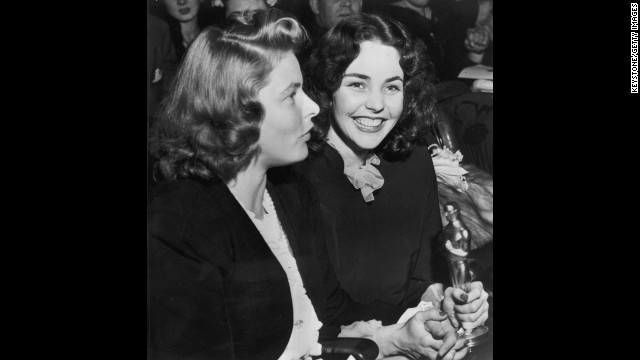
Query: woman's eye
393,88
357,85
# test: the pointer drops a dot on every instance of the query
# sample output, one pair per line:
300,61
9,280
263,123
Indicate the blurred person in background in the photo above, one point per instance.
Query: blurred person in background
479,42
237,7
424,24
186,18
469,33
329,12
161,63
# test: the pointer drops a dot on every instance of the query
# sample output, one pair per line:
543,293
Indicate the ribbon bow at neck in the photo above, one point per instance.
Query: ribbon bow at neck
365,177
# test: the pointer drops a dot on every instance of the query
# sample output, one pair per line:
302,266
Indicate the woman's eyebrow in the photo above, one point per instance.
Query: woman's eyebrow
293,85
360,76
394,79
365,77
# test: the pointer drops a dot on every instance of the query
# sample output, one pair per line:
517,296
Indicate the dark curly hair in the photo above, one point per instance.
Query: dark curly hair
209,124
328,60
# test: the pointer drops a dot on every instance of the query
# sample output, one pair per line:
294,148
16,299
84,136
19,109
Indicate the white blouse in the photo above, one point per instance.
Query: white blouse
304,338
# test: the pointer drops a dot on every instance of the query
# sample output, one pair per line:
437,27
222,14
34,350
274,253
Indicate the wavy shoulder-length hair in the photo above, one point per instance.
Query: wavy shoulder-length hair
209,124
337,49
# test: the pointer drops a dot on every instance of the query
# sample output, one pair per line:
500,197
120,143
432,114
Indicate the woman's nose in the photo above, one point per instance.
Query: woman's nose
182,2
311,107
375,102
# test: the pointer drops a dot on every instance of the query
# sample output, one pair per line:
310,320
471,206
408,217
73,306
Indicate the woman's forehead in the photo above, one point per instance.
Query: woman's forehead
285,72
376,57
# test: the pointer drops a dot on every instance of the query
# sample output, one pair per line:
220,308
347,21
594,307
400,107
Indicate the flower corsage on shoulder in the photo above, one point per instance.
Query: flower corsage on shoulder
447,167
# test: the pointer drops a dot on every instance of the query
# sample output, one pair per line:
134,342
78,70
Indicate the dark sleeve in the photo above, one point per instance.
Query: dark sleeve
430,264
187,318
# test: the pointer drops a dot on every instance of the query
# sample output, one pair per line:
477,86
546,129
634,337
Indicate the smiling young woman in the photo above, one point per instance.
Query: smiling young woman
373,173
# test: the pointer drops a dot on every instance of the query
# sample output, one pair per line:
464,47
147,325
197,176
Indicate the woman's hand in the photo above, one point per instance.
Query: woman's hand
428,333
441,330
477,39
466,307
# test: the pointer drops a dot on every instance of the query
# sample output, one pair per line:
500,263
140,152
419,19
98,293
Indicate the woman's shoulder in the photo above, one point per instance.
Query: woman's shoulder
188,200
194,217
177,193
419,160
324,165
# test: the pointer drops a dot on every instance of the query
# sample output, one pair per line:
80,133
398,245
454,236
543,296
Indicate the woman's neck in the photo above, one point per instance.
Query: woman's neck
348,154
189,30
248,187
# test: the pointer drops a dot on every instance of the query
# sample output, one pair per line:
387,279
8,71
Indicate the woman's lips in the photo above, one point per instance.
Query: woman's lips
368,124
184,11
307,135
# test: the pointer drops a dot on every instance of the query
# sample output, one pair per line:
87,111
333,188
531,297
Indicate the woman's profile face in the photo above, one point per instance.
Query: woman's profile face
182,10
368,103
284,131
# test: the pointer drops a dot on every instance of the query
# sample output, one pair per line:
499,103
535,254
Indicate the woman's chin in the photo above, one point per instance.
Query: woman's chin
299,156
368,142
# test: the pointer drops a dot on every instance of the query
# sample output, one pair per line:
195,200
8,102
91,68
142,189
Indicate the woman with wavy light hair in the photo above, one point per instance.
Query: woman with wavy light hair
237,263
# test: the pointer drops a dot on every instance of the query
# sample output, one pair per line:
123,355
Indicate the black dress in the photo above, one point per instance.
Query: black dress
381,250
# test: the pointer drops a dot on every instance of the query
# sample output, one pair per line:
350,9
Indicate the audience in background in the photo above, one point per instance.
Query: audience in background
237,7
161,67
161,62
185,19
479,42
469,33
329,12
423,23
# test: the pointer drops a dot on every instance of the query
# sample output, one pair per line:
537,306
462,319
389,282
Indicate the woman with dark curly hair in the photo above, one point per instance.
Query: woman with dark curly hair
237,262
374,176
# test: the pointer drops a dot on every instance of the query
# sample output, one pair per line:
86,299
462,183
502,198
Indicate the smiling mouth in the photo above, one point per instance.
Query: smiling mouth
368,124
184,11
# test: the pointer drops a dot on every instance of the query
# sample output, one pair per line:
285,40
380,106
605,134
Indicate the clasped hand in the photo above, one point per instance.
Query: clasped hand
432,333
427,334
466,306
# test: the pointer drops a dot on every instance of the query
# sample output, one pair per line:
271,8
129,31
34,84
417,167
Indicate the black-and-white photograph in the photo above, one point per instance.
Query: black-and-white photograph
320,179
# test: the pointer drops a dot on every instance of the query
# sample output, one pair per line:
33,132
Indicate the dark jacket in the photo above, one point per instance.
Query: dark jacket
215,289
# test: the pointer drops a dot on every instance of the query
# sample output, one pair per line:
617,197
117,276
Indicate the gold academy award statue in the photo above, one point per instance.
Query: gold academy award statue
457,241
